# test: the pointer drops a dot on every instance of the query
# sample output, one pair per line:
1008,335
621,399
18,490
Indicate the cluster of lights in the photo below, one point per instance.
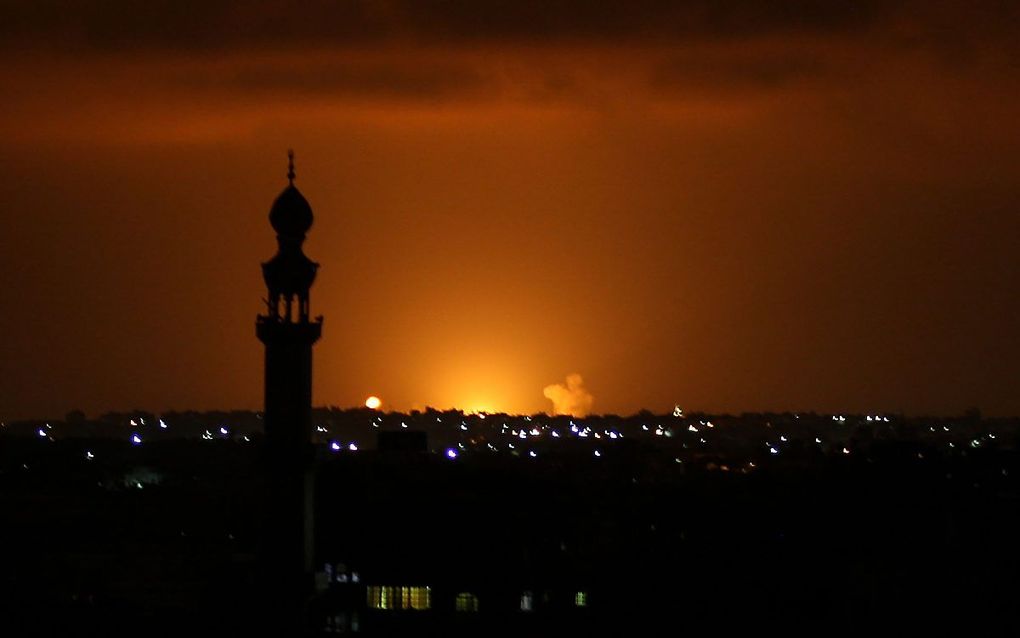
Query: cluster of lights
337,446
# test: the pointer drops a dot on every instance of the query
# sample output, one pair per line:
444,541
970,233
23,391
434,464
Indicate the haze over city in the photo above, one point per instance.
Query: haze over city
737,207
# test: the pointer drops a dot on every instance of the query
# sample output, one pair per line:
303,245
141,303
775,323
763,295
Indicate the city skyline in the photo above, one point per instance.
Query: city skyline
739,209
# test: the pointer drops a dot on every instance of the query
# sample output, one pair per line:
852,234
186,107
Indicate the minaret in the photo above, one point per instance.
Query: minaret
288,335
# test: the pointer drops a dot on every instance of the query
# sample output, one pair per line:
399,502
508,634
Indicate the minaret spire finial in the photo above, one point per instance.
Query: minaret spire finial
290,166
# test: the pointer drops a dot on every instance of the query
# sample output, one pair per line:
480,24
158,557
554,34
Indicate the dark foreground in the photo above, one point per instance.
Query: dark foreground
162,539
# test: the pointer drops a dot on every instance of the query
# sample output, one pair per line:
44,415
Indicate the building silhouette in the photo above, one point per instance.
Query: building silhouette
288,333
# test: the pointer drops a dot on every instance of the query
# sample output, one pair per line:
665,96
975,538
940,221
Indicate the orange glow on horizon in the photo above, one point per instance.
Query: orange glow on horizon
373,402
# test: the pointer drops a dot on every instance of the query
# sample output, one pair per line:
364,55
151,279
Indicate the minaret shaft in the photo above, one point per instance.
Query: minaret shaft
288,334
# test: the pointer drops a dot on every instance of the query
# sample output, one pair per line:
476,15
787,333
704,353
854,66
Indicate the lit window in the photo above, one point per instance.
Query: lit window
527,601
386,597
581,599
467,601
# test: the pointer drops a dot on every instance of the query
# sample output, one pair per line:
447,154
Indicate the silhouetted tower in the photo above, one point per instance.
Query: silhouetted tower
288,334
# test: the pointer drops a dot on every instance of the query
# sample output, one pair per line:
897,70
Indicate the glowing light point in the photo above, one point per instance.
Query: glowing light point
41,432
597,453
224,431
162,424
373,403
353,447
136,440
334,446
451,453
89,455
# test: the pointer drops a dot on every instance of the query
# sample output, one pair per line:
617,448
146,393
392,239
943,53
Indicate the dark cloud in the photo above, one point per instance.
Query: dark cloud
423,81
737,72
217,24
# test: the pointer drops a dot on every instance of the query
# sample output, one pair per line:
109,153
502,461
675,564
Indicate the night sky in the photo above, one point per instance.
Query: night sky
731,206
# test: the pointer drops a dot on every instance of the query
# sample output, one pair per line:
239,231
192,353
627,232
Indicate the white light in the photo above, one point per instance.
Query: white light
532,454
522,434
846,451
555,434
612,435
89,455
677,412
403,425
690,428
535,432
353,447
133,423
644,427
334,446
773,450
463,427
451,453
573,428
818,440
162,424
247,440
709,424
597,453
782,438
137,440
223,431
41,432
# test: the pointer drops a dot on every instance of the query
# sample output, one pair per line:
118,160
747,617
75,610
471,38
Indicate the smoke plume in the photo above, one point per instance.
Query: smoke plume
572,399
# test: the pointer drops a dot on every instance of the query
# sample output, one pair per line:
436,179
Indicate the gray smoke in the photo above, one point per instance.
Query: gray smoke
572,399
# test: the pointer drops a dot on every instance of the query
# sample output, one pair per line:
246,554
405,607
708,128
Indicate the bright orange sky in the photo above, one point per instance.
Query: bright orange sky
721,206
